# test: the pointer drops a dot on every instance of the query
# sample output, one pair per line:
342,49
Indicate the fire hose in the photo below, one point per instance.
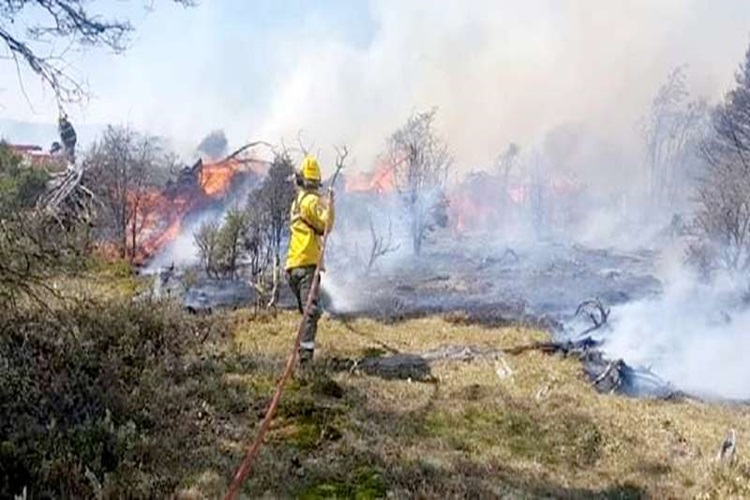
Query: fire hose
254,449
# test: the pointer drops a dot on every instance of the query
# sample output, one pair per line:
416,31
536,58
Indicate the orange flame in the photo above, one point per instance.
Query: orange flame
217,177
478,202
161,213
380,180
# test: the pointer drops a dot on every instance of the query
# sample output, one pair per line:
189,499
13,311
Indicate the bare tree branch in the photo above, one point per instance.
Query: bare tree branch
421,162
379,245
50,20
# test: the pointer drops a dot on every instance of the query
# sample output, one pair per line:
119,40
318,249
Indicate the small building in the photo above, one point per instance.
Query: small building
37,157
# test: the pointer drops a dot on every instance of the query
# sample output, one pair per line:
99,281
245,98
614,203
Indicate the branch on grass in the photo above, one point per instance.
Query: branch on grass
595,311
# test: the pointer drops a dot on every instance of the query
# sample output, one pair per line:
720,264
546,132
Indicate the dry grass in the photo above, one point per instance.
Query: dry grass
101,280
541,432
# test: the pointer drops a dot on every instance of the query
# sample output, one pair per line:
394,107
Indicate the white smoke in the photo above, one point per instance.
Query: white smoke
505,71
696,335
499,71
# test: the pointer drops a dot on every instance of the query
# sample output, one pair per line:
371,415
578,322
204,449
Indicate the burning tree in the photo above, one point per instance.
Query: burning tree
255,233
124,167
421,161
723,216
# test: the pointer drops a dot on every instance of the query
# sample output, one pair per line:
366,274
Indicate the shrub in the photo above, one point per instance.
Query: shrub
79,393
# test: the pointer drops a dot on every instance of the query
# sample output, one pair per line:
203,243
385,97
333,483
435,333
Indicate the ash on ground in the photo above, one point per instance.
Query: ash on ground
541,287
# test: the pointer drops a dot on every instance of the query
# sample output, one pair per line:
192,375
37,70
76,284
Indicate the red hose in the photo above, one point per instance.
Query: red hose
252,452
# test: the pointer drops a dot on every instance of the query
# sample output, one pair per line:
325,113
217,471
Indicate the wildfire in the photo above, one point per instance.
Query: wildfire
215,178
167,212
479,201
162,214
484,201
380,180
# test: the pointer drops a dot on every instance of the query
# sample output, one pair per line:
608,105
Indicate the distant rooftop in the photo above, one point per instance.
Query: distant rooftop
25,148
37,156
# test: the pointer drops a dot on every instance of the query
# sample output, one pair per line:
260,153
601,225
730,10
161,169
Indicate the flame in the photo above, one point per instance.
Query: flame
469,213
162,213
216,177
162,225
380,180
480,200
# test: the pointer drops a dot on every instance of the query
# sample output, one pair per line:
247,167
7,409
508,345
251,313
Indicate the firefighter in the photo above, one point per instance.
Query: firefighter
310,217
68,137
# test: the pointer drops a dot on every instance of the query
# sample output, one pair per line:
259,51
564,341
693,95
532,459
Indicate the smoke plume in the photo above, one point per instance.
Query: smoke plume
695,336
505,71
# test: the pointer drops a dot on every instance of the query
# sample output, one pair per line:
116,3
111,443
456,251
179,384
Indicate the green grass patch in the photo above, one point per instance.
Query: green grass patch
565,438
373,352
307,418
364,483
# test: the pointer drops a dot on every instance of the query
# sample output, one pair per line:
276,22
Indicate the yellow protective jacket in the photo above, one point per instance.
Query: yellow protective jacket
308,221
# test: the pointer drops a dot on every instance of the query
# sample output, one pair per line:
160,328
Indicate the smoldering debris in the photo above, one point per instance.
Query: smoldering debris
542,286
565,289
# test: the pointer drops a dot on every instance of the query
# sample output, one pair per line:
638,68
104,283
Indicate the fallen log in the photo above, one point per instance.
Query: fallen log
566,348
413,366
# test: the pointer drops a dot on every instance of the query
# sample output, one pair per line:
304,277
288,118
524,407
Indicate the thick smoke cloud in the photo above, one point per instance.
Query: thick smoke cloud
214,144
506,71
499,71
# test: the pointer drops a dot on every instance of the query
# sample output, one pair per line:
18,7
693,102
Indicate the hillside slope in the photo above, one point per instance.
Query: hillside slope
525,426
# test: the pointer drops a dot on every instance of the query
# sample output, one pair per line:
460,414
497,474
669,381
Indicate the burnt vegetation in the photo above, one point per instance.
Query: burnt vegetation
252,237
124,168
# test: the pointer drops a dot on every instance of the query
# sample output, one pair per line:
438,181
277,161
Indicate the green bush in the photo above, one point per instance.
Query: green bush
81,393
20,185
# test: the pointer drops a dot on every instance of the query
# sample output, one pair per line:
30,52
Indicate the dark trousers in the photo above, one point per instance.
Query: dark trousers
301,280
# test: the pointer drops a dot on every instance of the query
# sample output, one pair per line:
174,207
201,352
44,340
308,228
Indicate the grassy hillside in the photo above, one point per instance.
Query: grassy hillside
466,429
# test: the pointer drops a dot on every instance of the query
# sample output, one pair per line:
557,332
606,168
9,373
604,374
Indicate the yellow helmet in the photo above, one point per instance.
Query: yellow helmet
310,169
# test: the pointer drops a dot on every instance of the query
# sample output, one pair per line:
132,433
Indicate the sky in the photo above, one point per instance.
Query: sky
351,71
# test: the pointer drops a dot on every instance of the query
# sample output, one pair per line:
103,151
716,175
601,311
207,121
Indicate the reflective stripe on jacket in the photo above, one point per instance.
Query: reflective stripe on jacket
308,221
